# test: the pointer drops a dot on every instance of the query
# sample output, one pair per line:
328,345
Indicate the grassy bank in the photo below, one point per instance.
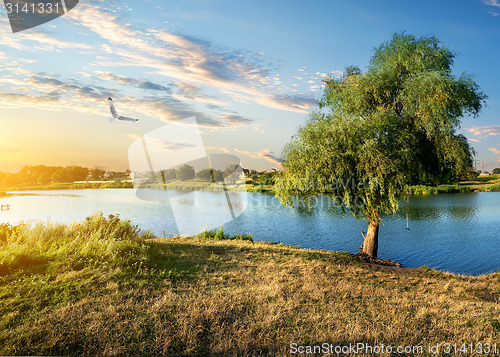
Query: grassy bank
102,287
480,184
70,186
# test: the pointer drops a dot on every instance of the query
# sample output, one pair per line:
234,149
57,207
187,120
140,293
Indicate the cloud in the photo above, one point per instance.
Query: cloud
475,140
50,43
299,102
194,93
41,102
55,94
492,2
185,59
234,120
74,92
264,154
122,79
484,131
494,151
217,148
168,109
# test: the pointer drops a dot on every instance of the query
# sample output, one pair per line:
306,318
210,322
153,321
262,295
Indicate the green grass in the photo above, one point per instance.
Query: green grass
71,186
432,190
103,287
483,184
219,234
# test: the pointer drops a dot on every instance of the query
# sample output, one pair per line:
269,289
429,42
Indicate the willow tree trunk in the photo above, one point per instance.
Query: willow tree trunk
370,245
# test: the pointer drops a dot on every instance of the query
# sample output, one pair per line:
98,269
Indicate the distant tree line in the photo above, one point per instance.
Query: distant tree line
44,175
187,172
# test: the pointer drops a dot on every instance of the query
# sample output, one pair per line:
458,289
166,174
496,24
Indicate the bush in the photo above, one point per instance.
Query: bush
185,172
96,241
219,234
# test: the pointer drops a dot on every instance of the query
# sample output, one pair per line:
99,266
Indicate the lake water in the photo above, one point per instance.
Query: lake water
450,232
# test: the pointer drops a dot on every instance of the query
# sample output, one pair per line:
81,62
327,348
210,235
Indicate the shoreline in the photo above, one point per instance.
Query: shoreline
483,184
415,190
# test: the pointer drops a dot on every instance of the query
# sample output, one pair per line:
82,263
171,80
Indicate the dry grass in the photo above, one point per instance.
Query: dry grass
233,298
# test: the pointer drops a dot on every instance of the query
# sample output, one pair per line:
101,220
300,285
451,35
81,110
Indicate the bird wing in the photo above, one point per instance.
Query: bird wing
113,110
121,117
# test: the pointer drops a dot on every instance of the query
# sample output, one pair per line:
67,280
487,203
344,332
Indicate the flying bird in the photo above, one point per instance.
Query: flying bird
115,114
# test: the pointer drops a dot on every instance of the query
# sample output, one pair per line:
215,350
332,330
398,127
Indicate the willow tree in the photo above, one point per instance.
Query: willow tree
379,131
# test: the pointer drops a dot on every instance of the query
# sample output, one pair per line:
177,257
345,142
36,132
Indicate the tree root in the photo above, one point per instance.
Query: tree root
367,259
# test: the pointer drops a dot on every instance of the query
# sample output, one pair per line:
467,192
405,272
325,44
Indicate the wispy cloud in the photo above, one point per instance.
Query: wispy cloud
49,93
495,4
492,2
41,102
185,59
46,42
220,148
234,120
186,91
264,154
125,80
494,151
484,131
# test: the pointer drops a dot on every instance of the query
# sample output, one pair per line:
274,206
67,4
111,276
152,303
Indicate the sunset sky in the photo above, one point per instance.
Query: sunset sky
249,71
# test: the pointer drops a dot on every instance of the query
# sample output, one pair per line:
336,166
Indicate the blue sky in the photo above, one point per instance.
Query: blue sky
249,71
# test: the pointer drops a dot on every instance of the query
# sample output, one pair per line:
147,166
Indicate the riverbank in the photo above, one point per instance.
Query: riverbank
102,287
194,185
480,184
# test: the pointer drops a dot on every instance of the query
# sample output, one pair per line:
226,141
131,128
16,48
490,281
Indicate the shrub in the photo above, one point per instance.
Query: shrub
95,241
219,234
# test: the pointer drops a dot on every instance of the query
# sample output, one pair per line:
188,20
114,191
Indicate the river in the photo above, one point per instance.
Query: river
450,232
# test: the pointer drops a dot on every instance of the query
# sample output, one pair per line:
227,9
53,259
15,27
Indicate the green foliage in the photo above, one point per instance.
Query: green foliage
210,175
386,129
429,190
170,174
491,188
96,174
185,172
496,171
45,175
98,240
219,234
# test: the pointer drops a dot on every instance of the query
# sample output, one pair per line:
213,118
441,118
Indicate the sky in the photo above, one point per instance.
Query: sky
249,71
